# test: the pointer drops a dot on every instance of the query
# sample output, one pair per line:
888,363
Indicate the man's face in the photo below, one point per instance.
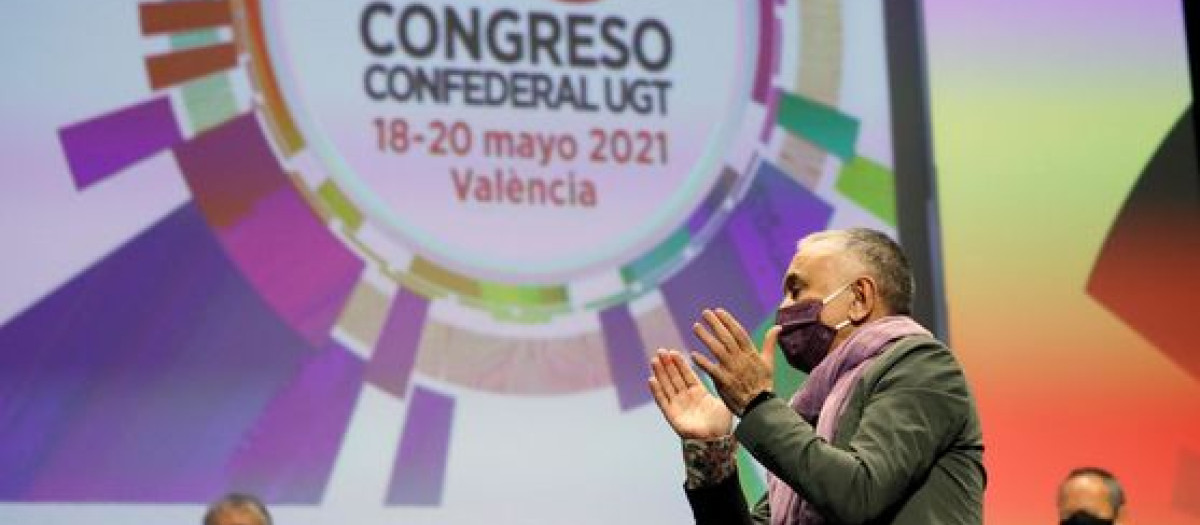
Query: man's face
1087,493
816,271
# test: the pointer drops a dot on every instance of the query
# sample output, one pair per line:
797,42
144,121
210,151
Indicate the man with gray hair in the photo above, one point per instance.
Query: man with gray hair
884,429
237,509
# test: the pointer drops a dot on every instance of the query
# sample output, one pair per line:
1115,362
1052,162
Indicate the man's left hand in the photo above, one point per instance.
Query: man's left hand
741,371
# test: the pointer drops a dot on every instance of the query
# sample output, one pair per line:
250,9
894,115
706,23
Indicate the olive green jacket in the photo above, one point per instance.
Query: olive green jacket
908,449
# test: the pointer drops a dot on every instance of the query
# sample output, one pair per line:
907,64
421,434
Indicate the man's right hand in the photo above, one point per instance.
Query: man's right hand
689,408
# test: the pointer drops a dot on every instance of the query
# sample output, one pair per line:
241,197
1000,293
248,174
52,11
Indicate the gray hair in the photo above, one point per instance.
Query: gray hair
236,500
883,259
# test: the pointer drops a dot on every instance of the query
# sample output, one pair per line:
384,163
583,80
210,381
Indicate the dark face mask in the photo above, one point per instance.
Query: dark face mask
804,339
1083,517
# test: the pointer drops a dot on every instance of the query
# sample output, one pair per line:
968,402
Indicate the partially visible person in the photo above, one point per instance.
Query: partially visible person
237,509
1091,496
884,430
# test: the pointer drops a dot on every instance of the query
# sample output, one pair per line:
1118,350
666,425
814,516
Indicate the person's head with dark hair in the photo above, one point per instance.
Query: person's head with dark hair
237,509
1090,496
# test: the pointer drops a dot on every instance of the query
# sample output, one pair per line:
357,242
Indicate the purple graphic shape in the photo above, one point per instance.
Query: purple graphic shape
105,145
775,213
768,33
395,354
626,358
288,456
420,469
139,379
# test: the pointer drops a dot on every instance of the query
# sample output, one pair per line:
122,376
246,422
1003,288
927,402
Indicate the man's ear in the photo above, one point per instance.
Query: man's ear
865,299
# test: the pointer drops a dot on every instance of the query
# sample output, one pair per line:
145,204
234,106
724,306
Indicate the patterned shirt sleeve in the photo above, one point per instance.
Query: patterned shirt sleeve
708,461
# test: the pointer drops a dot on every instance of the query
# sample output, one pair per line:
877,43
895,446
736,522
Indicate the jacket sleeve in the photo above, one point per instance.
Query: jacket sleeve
724,504
910,416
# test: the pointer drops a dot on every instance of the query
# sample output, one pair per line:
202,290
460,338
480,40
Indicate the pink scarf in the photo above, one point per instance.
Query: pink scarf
823,399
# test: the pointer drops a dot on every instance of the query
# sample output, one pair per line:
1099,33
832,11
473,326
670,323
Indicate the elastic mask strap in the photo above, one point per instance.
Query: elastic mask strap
834,295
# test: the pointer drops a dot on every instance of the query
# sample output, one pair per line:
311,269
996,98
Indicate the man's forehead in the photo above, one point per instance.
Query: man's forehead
814,255
1085,485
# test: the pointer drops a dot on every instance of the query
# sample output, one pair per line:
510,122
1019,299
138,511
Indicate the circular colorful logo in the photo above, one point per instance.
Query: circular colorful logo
537,145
